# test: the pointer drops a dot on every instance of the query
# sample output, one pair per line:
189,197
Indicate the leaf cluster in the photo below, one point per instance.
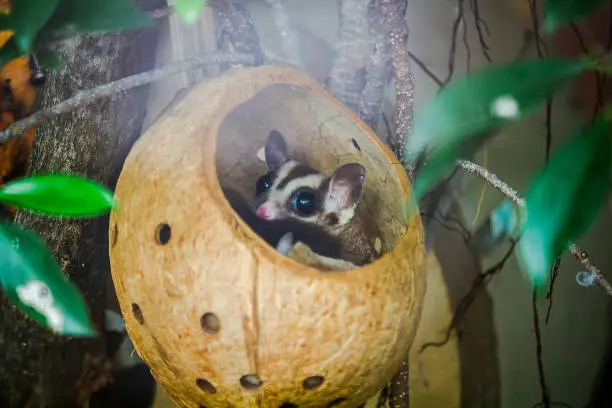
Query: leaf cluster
567,193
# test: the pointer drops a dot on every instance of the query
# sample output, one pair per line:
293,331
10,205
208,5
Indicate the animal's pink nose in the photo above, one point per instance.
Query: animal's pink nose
261,212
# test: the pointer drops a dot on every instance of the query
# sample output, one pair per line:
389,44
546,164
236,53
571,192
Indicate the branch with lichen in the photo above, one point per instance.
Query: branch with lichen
396,32
83,98
399,395
378,69
580,254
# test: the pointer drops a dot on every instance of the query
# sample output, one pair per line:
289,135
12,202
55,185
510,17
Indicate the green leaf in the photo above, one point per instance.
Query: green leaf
33,280
565,197
471,107
49,60
26,18
74,17
58,195
561,12
189,10
9,51
442,160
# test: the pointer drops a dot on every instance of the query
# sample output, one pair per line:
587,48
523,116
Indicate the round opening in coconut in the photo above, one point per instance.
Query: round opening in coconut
261,251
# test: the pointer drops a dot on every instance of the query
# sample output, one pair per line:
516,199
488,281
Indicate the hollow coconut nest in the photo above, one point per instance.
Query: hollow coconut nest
221,318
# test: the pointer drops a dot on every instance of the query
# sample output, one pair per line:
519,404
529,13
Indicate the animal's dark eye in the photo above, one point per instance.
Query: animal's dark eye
263,184
305,202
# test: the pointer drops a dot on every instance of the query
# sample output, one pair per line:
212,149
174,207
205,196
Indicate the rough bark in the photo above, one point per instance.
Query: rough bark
378,69
40,369
287,32
348,75
235,27
396,31
399,388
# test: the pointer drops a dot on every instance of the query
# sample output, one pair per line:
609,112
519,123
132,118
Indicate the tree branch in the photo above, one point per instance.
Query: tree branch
554,272
480,282
399,396
479,23
397,33
347,76
545,399
234,23
378,70
40,368
453,49
82,98
583,257
288,36
580,254
426,69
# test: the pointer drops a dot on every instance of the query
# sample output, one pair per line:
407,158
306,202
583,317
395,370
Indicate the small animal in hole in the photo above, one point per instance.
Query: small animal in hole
294,190
282,233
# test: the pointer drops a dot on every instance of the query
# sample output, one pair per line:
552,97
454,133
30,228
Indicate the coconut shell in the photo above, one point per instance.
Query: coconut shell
223,319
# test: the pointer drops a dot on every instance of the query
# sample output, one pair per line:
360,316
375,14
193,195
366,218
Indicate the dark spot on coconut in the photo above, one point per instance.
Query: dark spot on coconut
137,313
250,381
163,234
206,386
210,323
314,382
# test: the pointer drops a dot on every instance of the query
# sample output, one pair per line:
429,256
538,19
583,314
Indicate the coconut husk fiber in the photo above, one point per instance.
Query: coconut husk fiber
222,318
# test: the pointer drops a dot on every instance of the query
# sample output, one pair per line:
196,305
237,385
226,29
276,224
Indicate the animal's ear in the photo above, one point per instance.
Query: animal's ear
276,150
345,187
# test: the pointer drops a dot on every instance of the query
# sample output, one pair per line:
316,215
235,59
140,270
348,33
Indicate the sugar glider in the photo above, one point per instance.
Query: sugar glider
292,190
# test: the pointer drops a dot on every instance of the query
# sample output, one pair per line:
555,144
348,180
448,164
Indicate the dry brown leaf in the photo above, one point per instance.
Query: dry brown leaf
16,102
5,6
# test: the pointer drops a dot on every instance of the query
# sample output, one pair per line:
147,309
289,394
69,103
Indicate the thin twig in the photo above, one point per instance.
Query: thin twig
598,77
397,34
581,42
426,69
584,258
453,49
493,181
82,98
549,104
460,229
479,23
466,44
535,22
554,273
480,282
513,195
545,401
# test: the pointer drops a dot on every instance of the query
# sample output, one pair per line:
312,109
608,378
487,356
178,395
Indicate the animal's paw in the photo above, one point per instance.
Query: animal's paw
304,254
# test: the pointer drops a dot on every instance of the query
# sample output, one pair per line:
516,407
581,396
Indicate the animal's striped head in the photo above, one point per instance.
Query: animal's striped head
293,189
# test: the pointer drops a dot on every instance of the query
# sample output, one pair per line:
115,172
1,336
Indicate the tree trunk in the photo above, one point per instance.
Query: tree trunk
40,369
